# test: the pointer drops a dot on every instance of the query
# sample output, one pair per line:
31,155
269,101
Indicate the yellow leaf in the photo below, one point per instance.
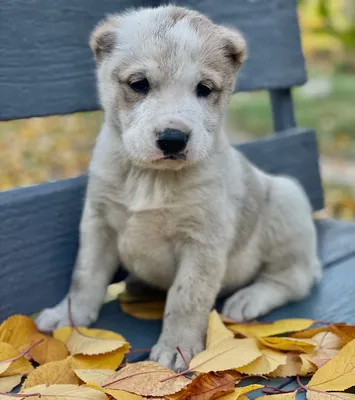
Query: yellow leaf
229,354
309,333
144,378
345,332
291,368
17,331
79,343
110,360
239,392
289,344
329,396
273,328
117,394
282,396
55,372
69,392
216,331
4,366
19,366
96,376
49,350
268,362
152,310
338,373
307,367
7,383
64,332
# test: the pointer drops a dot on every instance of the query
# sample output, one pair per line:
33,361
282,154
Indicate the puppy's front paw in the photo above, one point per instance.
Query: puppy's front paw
58,316
165,353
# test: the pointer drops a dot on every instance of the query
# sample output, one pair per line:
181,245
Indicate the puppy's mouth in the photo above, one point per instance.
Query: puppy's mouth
175,156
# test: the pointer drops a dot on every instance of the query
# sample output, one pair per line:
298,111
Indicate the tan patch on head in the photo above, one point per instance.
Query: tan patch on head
103,37
178,13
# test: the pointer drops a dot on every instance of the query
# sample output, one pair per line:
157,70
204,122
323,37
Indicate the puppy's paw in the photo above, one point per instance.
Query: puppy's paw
247,304
58,316
165,353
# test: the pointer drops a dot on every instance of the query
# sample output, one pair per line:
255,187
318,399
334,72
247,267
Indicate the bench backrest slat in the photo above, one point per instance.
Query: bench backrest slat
47,67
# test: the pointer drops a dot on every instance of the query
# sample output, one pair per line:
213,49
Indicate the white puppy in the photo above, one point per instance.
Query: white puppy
169,198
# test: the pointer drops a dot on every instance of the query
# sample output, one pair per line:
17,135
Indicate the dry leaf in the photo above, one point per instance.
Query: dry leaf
4,366
49,350
64,333
7,383
338,373
239,392
289,344
18,366
153,310
55,372
268,362
216,331
329,396
96,376
291,368
102,361
329,345
309,333
64,392
307,367
273,328
229,354
208,386
118,394
144,378
17,331
345,332
282,396
79,343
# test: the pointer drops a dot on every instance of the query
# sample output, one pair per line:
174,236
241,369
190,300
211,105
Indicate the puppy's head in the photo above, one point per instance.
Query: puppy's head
164,80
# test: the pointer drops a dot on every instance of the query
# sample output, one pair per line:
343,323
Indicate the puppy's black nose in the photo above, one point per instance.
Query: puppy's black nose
172,141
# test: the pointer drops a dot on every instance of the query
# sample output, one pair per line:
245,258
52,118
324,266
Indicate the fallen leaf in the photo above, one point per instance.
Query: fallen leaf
152,310
229,354
281,396
79,343
7,383
329,345
239,392
17,330
266,363
110,360
64,333
49,350
144,378
345,332
309,333
118,394
55,372
19,366
307,368
4,366
289,344
208,386
96,376
273,328
329,396
291,368
64,392
338,373
216,331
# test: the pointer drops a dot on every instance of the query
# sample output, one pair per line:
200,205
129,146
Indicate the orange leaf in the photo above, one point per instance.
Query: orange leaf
17,331
208,386
49,350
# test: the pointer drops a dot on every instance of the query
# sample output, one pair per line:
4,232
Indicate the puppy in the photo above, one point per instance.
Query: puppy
169,198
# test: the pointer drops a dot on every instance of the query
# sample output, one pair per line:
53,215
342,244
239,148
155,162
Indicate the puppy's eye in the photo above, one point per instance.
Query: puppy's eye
203,90
141,86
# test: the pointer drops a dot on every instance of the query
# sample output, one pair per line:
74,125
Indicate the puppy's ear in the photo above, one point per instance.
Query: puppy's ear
234,47
103,38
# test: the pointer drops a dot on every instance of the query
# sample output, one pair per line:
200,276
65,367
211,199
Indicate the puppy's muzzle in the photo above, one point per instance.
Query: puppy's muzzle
172,141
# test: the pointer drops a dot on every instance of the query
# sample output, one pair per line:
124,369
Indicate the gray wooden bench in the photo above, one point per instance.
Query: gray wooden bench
47,68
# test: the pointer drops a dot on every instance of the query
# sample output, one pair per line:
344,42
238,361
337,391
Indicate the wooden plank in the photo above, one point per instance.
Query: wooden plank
283,113
47,67
39,224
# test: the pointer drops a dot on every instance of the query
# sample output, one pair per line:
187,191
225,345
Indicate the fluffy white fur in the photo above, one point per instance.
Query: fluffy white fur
208,225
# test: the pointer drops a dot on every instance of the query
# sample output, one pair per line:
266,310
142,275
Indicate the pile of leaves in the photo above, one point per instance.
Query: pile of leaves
82,363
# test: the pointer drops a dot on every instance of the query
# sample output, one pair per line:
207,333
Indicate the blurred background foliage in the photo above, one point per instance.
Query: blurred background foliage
40,149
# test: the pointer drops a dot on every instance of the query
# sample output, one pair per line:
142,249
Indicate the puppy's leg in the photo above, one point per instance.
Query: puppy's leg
189,302
96,264
278,284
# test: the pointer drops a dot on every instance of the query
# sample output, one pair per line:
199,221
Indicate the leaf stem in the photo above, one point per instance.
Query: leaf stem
306,388
182,356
